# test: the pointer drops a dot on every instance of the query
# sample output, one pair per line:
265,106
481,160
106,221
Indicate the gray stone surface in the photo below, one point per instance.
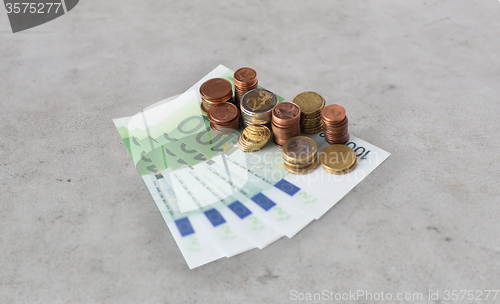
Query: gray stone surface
418,78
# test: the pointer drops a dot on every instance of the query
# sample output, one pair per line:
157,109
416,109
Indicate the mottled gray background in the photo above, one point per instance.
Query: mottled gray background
419,79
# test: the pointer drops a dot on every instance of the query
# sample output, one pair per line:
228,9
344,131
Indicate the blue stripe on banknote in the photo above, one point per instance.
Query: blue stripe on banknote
215,217
184,226
287,187
239,209
263,201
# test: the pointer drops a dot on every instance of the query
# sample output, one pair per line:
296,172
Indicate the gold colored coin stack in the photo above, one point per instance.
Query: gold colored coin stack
335,124
224,118
300,155
286,122
338,159
256,107
253,138
214,91
245,79
311,104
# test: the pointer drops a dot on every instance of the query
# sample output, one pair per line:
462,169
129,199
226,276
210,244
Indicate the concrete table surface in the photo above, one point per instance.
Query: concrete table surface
419,79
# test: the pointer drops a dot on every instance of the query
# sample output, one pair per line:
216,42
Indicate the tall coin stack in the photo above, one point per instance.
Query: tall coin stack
224,118
245,79
335,124
286,122
214,91
300,155
256,107
311,104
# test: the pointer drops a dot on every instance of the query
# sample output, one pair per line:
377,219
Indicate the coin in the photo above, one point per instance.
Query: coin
259,101
203,108
223,112
214,91
333,114
302,171
215,88
335,124
300,155
338,159
253,138
286,113
245,79
285,122
223,117
344,171
309,102
245,76
299,150
256,107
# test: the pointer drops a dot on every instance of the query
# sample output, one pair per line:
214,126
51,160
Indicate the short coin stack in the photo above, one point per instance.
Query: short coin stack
253,138
224,118
256,106
245,79
311,104
338,159
335,124
213,91
286,122
300,155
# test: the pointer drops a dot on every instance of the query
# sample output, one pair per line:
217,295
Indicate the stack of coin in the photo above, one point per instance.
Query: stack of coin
338,159
253,138
300,155
256,106
286,122
224,118
311,104
245,79
335,124
213,91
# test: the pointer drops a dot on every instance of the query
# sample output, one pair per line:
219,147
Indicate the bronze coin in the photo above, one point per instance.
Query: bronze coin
223,112
221,130
333,113
286,113
216,89
244,75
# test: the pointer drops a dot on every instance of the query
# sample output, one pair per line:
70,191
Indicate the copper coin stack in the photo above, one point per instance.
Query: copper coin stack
335,124
245,79
257,106
214,91
224,118
286,122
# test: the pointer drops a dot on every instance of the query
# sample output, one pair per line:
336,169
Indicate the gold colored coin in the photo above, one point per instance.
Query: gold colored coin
343,171
253,138
302,171
309,102
298,165
256,134
312,131
299,149
338,158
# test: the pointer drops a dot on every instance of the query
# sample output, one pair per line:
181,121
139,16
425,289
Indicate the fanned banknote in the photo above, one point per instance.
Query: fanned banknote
216,200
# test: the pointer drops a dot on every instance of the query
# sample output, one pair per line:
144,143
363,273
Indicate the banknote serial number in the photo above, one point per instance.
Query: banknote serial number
32,8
